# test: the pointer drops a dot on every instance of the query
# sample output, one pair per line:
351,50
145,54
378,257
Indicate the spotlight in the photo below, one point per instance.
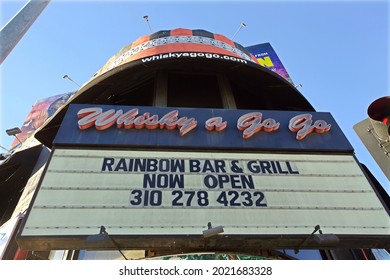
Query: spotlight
14,132
103,238
241,26
212,231
147,20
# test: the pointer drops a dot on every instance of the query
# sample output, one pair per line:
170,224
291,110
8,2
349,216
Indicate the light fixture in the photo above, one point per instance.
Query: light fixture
241,26
13,132
320,239
326,239
212,231
103,238
67,77
147,20
316,228
4,149
298,85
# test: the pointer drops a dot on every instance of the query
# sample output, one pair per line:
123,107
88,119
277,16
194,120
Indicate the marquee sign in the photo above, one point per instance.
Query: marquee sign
139,194
200,128
250,123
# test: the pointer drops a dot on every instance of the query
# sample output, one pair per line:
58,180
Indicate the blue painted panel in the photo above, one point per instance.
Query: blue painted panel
200,138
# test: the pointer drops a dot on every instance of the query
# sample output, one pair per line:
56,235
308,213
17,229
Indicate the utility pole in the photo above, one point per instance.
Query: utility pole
15,29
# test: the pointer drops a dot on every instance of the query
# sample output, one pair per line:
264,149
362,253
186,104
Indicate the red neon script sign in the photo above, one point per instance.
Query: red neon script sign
89,117
252,123
215,123
249,123
302,124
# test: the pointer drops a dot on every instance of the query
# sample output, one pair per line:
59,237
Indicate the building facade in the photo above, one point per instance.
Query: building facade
186,142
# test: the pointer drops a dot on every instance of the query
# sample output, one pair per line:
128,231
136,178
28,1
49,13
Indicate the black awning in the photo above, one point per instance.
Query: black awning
99,90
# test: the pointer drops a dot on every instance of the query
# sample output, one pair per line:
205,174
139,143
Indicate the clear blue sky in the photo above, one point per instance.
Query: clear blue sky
338,51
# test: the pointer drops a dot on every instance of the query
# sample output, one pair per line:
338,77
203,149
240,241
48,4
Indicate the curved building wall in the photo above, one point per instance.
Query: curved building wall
184,68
